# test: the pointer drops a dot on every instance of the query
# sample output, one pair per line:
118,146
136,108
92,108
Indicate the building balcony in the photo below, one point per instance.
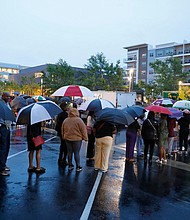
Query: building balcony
129,59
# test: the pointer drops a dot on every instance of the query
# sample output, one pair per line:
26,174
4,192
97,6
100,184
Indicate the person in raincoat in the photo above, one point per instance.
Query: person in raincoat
73,131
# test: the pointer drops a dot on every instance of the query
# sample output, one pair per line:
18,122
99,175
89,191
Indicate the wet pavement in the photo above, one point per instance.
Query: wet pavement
127,191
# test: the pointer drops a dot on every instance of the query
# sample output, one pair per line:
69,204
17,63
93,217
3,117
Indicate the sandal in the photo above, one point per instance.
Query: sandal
40,171
33,169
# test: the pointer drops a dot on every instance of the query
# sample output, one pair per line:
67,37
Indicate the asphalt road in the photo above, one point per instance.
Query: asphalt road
127,191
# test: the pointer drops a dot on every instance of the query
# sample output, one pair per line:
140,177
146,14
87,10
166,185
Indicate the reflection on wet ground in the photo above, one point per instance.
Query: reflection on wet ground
127,191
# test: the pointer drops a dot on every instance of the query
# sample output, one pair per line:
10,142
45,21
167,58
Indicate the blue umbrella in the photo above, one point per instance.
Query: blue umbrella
6,113
135,111
114,116
175,113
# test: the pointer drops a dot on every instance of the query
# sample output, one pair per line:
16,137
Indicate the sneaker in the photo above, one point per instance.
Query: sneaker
78,169
7,169
104,171
71,167
159,161
164,161
96,169
4,173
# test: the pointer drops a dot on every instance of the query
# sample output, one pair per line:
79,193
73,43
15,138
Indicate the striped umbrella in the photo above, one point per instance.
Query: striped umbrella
37,112
73,90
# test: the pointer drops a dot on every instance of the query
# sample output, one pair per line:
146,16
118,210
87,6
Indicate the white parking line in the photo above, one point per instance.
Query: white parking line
26,149
91,198
17,154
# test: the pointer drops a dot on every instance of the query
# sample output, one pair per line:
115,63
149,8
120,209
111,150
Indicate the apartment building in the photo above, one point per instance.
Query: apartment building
139,57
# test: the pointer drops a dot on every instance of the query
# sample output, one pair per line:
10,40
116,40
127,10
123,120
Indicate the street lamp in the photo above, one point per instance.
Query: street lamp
130,78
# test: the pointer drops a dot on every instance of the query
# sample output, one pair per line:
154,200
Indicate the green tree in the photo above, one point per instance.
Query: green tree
29,86
168,74
102,75
59,74
9,86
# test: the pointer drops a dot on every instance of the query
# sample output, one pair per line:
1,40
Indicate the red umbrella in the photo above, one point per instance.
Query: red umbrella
159,109
73,90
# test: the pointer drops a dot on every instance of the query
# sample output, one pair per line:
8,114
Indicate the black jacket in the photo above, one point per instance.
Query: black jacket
147,129
59,121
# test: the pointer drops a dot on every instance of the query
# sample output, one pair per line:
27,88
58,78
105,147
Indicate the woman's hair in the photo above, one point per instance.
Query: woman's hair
91,113
151,115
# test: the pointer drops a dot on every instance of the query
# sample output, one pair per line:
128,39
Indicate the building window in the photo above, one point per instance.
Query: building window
143,63
143,72
160,54
151,54
144,55
151,72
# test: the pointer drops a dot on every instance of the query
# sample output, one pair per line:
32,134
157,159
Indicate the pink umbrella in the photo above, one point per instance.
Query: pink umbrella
159,109
73,90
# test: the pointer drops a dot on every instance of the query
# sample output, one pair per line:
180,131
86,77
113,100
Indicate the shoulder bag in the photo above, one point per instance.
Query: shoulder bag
155,131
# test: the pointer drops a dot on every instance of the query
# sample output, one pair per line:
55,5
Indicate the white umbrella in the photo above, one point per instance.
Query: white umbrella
182,104
37,112
164,102
96,105
73,90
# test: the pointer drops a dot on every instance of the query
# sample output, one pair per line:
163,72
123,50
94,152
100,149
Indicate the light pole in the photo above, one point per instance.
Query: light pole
41,83
130,78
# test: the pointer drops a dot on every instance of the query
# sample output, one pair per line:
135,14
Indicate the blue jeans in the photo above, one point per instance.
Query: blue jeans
73,147
4,146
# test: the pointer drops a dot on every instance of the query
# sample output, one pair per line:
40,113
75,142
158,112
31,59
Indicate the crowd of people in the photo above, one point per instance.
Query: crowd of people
168,133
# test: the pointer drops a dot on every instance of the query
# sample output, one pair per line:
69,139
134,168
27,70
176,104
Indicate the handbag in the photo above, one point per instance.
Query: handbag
155,131
38,140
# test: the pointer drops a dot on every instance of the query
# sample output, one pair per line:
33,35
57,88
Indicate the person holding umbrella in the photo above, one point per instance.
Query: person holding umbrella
34,130
131,137
4,136
183,124
91,137
62,160
103,132
163,138
149,128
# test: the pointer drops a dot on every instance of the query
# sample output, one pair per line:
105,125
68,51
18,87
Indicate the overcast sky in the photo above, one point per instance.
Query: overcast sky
35,32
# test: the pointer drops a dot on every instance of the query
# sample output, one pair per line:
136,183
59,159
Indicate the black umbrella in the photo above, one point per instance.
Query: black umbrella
6,113
30,101
135,111
65,99
18,102
114,116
